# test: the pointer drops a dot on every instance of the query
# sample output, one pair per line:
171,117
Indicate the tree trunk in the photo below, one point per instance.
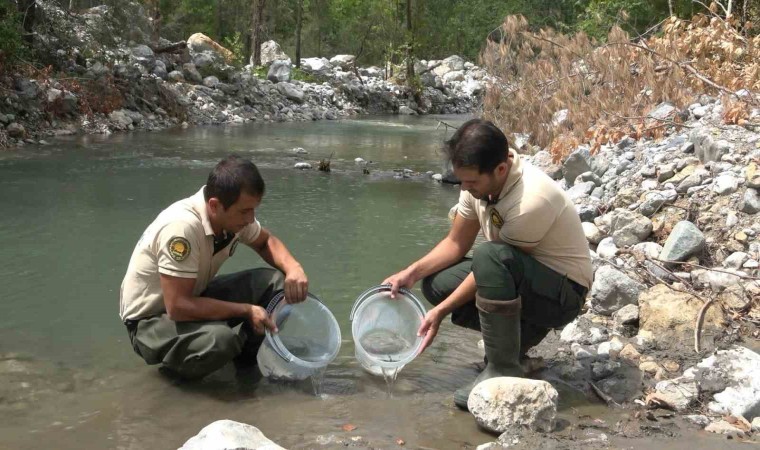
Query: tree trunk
256,32
670,7
219,32
299,23
28,9
155,22
409,44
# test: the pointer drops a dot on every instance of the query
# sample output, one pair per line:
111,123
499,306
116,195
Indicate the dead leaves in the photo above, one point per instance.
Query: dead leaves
348,427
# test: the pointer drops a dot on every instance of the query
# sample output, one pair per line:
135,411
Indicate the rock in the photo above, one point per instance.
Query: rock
750,204
345,62
603,369
302,165
279,71
200,43
290,92
679,392
698,419
572,333
437,177
610,349
725,184
16,130
176,76
736,260
143,55
191,73
734,376
450,64
211,82
723,427
505,403
646,250
663,111
684,241
653,201
756,424
405,110
607,248
592,232
670,315
581,190
271,52
229,435
627,227
490,446
626,315
319,66
630,354
705,148
666,172
612,290
575,165
753,176
120,119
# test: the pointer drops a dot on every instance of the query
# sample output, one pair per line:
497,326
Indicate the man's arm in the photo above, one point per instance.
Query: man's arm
274,252
182,306
449,251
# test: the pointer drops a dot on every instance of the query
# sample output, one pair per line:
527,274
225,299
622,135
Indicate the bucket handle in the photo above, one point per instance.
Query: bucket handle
383,288
276,344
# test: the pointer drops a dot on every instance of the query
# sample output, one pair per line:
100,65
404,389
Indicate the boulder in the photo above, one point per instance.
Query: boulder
733,376
16,130
291,92
230,435
199,43
319,66
507,403
576,164
683,242
612,289
279,71
670,315
271,52
345,62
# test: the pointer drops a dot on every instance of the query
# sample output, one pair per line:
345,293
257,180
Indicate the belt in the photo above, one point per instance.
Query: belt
131,324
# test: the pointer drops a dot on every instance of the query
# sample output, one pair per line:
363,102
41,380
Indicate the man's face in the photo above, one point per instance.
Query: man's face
239,214
480,185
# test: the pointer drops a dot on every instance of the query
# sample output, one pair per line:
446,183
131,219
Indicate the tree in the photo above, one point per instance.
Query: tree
257,19
409,44
299,23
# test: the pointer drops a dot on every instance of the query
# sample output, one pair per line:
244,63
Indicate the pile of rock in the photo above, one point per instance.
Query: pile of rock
671,225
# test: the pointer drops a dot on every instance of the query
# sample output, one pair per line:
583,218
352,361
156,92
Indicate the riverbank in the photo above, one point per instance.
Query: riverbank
89,88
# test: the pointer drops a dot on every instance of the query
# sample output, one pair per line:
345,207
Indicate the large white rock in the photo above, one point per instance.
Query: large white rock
680,392
316,65
612,289
503,403
230,435
345,62
734,376
271,52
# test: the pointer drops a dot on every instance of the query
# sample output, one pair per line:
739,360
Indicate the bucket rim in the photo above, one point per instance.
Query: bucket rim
279,348
360,304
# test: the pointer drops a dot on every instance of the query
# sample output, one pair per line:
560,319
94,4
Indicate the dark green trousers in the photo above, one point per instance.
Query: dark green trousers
195,349
503,272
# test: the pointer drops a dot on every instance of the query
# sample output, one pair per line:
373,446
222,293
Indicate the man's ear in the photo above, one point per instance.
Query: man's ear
215,206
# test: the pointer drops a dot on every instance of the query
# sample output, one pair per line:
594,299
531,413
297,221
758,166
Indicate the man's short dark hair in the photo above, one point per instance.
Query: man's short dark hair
477,143
230,177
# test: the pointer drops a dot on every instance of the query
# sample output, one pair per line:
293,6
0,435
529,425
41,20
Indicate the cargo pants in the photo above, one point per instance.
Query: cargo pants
193,350
549,299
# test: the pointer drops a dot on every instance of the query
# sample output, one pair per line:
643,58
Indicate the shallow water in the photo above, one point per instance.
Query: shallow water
72,213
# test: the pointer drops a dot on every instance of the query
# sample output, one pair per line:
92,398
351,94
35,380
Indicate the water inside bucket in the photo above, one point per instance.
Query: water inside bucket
384,344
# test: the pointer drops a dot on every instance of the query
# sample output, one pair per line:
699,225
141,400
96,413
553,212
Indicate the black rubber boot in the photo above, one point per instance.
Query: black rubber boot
500,325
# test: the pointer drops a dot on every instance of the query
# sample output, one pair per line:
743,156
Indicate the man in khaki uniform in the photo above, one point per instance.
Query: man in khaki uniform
531,275
177,313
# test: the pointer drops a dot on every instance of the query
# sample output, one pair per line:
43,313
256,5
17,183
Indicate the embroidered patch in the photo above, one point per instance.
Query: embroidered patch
496,218
233,247
179,248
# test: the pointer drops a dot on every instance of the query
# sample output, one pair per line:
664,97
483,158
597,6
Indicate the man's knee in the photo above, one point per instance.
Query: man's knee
207,352
489,253
432,290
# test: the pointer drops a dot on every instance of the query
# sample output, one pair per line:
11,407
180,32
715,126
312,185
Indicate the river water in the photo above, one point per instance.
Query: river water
72,213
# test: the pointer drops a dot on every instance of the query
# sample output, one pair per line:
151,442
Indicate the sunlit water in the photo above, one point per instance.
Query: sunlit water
72,213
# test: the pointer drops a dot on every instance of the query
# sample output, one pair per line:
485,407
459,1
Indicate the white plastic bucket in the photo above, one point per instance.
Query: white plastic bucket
385,329
307,341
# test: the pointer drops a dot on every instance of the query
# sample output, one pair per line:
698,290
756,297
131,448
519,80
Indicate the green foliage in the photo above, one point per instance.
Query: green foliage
259,72
301,75
235,44
11,42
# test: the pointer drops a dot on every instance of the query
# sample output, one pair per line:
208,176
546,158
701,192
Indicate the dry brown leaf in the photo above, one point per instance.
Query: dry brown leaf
348,427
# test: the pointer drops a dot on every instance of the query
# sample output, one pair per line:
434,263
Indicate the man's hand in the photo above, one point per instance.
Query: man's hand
296,285
261,320
429,328
403,279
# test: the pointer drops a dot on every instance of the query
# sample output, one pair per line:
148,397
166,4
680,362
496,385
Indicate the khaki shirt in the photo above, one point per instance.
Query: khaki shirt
179,243
533,211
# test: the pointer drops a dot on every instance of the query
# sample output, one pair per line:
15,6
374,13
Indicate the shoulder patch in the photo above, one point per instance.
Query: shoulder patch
179,248
496,218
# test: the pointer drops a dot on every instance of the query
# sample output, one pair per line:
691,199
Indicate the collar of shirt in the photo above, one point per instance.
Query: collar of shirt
199,205
515,174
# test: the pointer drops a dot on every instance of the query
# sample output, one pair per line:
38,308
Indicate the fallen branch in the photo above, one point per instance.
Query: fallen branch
430,68
606,398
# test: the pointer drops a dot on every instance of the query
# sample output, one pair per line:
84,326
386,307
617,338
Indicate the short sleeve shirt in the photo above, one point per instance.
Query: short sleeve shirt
179,243
533,211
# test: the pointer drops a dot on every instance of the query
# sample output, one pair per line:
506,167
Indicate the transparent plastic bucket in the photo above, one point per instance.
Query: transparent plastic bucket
385,329
307,341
